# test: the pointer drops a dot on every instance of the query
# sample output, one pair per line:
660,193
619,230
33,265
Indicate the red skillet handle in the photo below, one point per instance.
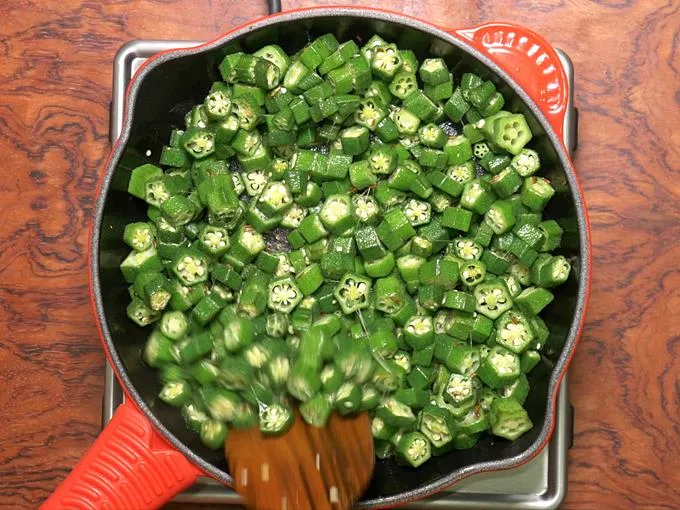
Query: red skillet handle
129,467
529,59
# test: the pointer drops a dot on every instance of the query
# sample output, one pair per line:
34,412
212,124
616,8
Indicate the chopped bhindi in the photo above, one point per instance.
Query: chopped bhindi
319,235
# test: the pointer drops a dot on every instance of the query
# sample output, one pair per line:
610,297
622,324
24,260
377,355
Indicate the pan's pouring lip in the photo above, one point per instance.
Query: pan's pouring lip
385,16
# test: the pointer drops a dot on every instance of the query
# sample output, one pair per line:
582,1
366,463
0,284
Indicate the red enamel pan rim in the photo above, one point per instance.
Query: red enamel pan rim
382,15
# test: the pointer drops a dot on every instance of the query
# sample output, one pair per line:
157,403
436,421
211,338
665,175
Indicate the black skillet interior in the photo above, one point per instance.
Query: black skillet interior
168,92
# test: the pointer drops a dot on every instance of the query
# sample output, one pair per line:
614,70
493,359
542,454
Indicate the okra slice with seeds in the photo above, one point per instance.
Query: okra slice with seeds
500,368
379,90
284,295
214,240
500,217
217,104
366,209
336,213
274,54
140,176
156,192
292,218
536,193
382,160
284,267
407,123
467,249
153,288
369,113
477,196
246,244
403,360
462,173
511,133
255,181
436,424
417,212
419,331
371,44
386,61
459,390
199,142
403,84
414,448
433,136
514,332
526,163
257,355
352,293
277,324
492,299
512,284
139,236
275,198
275,419
190,267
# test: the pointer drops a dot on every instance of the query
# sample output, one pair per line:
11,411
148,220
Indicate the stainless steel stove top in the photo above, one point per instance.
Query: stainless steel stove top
540,484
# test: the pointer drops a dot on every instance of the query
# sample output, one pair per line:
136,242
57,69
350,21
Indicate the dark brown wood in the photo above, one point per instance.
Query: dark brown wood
305,469
55,88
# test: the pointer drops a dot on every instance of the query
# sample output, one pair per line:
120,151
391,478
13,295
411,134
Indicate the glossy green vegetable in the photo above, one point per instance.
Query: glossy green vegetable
320,235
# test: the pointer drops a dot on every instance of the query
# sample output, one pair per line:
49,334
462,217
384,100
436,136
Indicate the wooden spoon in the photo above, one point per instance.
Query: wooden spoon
308,468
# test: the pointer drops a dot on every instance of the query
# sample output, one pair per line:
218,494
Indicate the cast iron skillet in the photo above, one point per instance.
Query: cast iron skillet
146,455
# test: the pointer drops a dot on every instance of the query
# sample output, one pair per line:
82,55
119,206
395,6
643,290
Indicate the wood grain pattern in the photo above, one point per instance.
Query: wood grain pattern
55,80
307,468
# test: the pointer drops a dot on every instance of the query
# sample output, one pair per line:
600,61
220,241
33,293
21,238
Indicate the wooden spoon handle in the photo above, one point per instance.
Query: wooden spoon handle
308,468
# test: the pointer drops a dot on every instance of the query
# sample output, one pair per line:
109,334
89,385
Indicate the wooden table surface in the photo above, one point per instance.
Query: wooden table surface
55,87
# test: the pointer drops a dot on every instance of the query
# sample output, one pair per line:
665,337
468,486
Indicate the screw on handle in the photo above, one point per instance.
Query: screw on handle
274,6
